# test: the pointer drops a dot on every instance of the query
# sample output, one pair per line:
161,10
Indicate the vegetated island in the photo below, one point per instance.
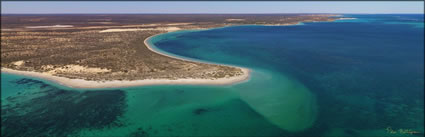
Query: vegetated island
101,51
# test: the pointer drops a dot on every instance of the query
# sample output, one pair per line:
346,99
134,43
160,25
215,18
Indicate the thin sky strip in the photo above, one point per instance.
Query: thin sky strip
63,7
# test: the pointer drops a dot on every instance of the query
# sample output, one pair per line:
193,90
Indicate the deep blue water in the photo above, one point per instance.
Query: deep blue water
362,77
367,73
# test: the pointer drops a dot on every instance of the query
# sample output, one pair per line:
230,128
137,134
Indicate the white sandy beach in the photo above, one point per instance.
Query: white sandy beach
81,83
346,18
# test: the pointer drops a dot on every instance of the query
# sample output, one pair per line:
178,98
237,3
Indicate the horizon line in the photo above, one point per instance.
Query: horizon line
201,13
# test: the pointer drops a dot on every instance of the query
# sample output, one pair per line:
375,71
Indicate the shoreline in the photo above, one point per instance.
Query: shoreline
87,84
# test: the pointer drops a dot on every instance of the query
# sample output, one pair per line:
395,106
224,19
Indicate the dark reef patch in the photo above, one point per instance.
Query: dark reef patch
351,132
140,132
51,111
30,82
200,111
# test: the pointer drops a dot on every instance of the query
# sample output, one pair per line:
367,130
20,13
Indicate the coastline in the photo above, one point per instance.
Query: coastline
81,83
88,84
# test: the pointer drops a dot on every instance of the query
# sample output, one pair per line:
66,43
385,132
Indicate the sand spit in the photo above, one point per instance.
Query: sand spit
81,83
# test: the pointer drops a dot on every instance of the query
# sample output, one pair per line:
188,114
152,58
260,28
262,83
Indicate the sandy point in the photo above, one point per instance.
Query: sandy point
81,83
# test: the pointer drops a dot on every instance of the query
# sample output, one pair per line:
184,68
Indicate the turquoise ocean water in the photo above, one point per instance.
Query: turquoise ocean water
361,77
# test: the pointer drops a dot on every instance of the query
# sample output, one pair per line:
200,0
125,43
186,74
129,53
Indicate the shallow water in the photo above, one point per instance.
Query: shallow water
344,78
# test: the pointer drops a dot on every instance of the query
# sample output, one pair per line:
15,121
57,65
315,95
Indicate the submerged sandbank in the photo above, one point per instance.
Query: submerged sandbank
283,101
